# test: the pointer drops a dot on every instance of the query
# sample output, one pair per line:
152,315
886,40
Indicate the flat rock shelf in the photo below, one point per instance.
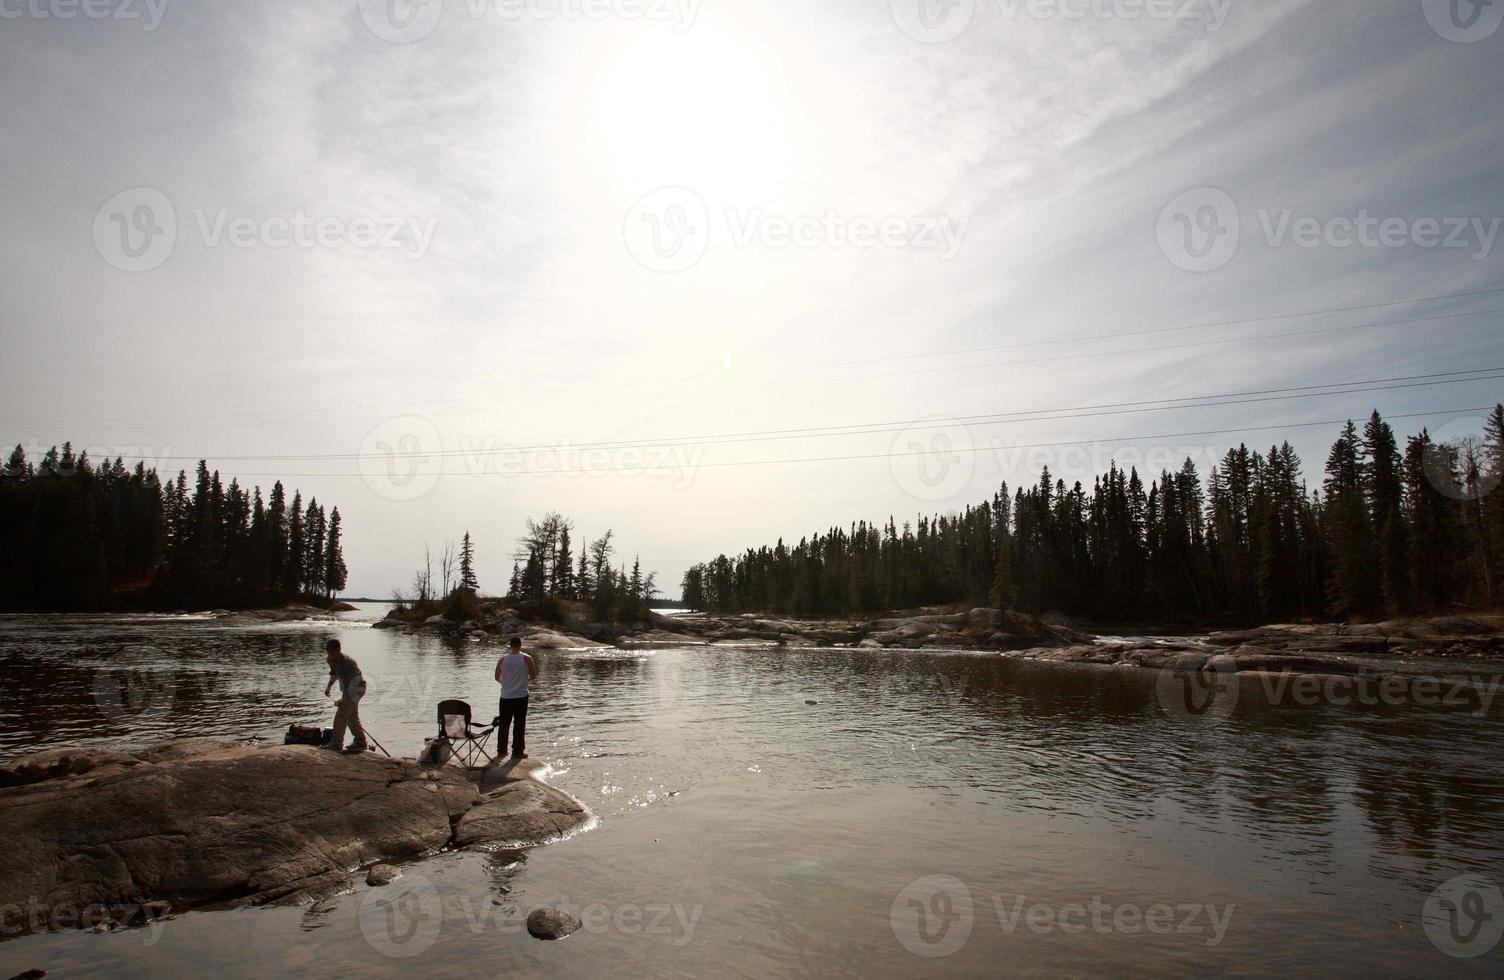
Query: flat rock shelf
201,822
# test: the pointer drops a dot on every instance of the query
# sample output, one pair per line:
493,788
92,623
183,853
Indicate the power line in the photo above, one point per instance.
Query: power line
269,418
902,455
875,428
1160,330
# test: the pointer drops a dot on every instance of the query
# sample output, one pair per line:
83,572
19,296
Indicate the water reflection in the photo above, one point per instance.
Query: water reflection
795,765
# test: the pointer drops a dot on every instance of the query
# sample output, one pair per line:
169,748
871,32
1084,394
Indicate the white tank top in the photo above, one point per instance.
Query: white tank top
513,675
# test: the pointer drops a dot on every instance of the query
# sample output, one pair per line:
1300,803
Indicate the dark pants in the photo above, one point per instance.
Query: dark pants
513,714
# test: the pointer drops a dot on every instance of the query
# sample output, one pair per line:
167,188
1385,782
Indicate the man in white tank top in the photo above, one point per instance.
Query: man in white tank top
514,672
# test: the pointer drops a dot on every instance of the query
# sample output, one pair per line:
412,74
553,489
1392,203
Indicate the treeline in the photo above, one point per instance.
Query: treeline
1388,532
81,536
544,575
545,568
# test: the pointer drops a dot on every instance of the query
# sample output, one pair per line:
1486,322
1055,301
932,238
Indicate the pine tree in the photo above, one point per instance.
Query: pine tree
582,579
467,565
292,573
1353,583
563,583
334,558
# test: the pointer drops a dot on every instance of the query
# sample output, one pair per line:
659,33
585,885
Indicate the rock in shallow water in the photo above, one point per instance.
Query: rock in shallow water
551,924
382,874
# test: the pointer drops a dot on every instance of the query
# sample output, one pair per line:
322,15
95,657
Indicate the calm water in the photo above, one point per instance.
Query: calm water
927,814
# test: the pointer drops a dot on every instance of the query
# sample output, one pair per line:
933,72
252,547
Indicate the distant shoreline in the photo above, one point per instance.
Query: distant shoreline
292,606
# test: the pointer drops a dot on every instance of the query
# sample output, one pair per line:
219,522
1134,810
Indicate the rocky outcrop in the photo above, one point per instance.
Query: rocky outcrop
573,628
200,822
521,813
1451,637
1192,656
977,629
492,621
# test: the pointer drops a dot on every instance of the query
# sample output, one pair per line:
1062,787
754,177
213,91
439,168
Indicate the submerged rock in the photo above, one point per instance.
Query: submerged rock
198,822
552,924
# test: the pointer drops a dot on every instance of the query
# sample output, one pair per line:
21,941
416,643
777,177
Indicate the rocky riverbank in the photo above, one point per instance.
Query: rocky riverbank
1323,648
1297,648
976,629
202,822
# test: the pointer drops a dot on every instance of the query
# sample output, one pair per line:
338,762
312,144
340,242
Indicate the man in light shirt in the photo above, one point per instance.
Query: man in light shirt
514,672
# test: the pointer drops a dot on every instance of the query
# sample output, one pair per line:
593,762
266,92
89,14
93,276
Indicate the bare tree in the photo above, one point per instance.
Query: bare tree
448,563
423,579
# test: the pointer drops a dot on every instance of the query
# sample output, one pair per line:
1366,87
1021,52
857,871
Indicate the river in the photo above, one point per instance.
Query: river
825,812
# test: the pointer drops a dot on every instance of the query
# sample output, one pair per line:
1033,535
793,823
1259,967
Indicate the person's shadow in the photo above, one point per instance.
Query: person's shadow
504,770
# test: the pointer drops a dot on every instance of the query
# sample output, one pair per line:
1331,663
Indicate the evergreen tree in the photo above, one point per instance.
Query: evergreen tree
467,565
83,535
563,584
335,571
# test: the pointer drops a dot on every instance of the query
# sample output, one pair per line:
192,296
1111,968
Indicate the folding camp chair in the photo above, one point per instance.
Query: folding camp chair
467,744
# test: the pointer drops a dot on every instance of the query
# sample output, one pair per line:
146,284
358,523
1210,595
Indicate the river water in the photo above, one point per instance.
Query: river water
827,812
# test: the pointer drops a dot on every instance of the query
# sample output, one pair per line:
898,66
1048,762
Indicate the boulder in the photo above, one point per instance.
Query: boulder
381,875
983,619
551,924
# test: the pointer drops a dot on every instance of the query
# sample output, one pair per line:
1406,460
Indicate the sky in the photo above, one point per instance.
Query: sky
779,266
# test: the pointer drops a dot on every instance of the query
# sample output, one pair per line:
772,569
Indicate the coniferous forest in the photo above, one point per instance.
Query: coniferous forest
1387,531
81,536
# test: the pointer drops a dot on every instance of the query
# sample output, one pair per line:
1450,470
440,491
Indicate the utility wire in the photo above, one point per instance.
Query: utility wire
272,417
1035,415
900,455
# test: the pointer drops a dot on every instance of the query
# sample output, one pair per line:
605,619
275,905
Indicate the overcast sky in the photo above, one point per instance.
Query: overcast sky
358,233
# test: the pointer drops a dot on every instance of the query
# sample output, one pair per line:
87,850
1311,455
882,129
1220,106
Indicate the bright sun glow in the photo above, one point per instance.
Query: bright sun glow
697,108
